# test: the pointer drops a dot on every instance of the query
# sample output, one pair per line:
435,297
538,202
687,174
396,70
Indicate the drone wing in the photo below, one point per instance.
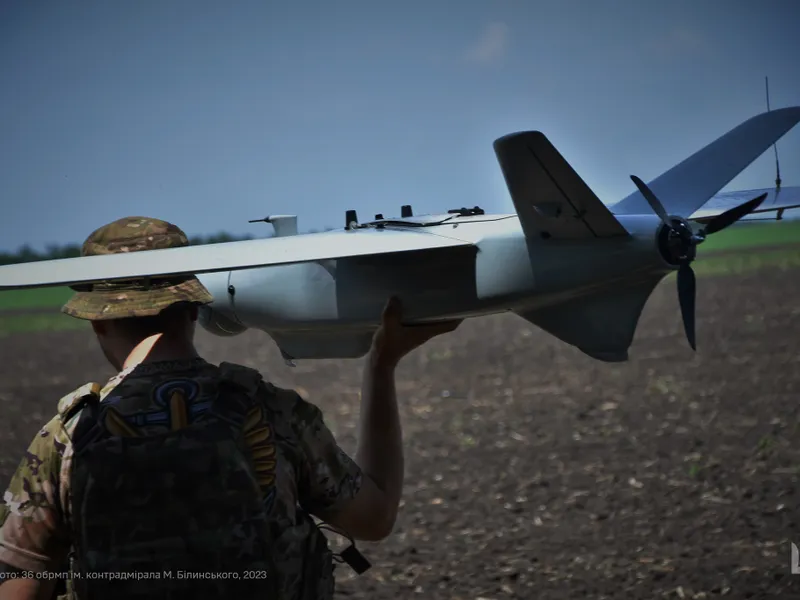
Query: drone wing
691,183
778,201
229,256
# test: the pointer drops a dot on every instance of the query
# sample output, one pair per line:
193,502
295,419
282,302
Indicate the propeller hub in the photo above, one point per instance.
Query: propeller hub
678,243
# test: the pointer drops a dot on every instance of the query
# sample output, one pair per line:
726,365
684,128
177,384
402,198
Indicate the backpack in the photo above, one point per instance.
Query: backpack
133,535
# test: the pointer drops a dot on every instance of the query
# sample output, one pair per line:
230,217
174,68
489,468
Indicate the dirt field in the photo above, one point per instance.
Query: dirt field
535,472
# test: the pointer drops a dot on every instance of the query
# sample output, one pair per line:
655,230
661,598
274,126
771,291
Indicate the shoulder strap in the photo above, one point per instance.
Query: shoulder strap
77,399
88,426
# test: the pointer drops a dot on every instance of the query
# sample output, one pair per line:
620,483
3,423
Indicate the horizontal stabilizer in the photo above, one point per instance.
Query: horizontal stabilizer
778,200
602,325
690,184
228,256
551,199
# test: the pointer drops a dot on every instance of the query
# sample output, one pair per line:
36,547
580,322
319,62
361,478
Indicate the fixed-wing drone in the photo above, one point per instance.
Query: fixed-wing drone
566,262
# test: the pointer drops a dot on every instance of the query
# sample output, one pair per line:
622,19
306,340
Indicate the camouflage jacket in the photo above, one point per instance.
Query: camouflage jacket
310,470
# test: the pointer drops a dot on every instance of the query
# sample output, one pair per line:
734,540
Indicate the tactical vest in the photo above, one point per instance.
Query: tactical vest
178,514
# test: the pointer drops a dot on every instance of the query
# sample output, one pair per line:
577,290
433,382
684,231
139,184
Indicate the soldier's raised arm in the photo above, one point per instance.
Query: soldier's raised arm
368,511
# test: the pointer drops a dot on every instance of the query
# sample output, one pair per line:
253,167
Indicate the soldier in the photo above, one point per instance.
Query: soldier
178,473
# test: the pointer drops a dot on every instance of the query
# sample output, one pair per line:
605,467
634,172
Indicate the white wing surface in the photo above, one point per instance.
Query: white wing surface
221,257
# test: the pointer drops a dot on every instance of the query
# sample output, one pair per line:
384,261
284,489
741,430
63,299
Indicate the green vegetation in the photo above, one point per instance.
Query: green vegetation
748,235
43,321
738,263
726,253
34,298
746,247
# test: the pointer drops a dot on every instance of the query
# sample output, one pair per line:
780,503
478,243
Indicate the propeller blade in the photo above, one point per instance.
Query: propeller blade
686,297
729,217
654,203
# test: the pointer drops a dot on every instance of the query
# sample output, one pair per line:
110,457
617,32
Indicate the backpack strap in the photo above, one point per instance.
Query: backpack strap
70,404
235,409
88,427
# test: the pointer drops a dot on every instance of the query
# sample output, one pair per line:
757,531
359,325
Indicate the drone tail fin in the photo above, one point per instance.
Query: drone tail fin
690,184
602,325
551,199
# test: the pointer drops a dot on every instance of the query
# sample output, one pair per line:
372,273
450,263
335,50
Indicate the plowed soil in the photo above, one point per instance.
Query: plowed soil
536,472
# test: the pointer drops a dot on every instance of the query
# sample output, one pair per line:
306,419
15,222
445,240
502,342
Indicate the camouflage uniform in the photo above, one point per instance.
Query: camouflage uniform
299,467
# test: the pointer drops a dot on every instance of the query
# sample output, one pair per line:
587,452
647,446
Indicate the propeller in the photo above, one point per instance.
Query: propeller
681,245
730,216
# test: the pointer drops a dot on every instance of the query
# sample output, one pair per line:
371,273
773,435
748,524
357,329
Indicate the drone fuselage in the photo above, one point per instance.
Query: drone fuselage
330,309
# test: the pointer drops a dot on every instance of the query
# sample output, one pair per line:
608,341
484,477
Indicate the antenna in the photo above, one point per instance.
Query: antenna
775,147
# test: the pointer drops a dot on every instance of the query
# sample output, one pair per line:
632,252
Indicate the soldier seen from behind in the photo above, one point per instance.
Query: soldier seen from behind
177,466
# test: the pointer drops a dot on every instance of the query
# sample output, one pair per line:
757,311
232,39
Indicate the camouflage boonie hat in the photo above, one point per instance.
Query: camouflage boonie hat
141,298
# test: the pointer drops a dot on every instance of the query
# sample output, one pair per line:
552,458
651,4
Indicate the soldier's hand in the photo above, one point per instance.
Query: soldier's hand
393,340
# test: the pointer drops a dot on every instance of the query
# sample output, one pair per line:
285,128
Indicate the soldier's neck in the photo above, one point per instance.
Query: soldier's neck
157,348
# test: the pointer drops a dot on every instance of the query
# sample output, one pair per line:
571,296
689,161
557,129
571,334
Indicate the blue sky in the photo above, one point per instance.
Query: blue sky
208,114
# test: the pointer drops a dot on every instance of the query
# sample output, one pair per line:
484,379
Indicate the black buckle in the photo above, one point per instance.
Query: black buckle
351,555
357,561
